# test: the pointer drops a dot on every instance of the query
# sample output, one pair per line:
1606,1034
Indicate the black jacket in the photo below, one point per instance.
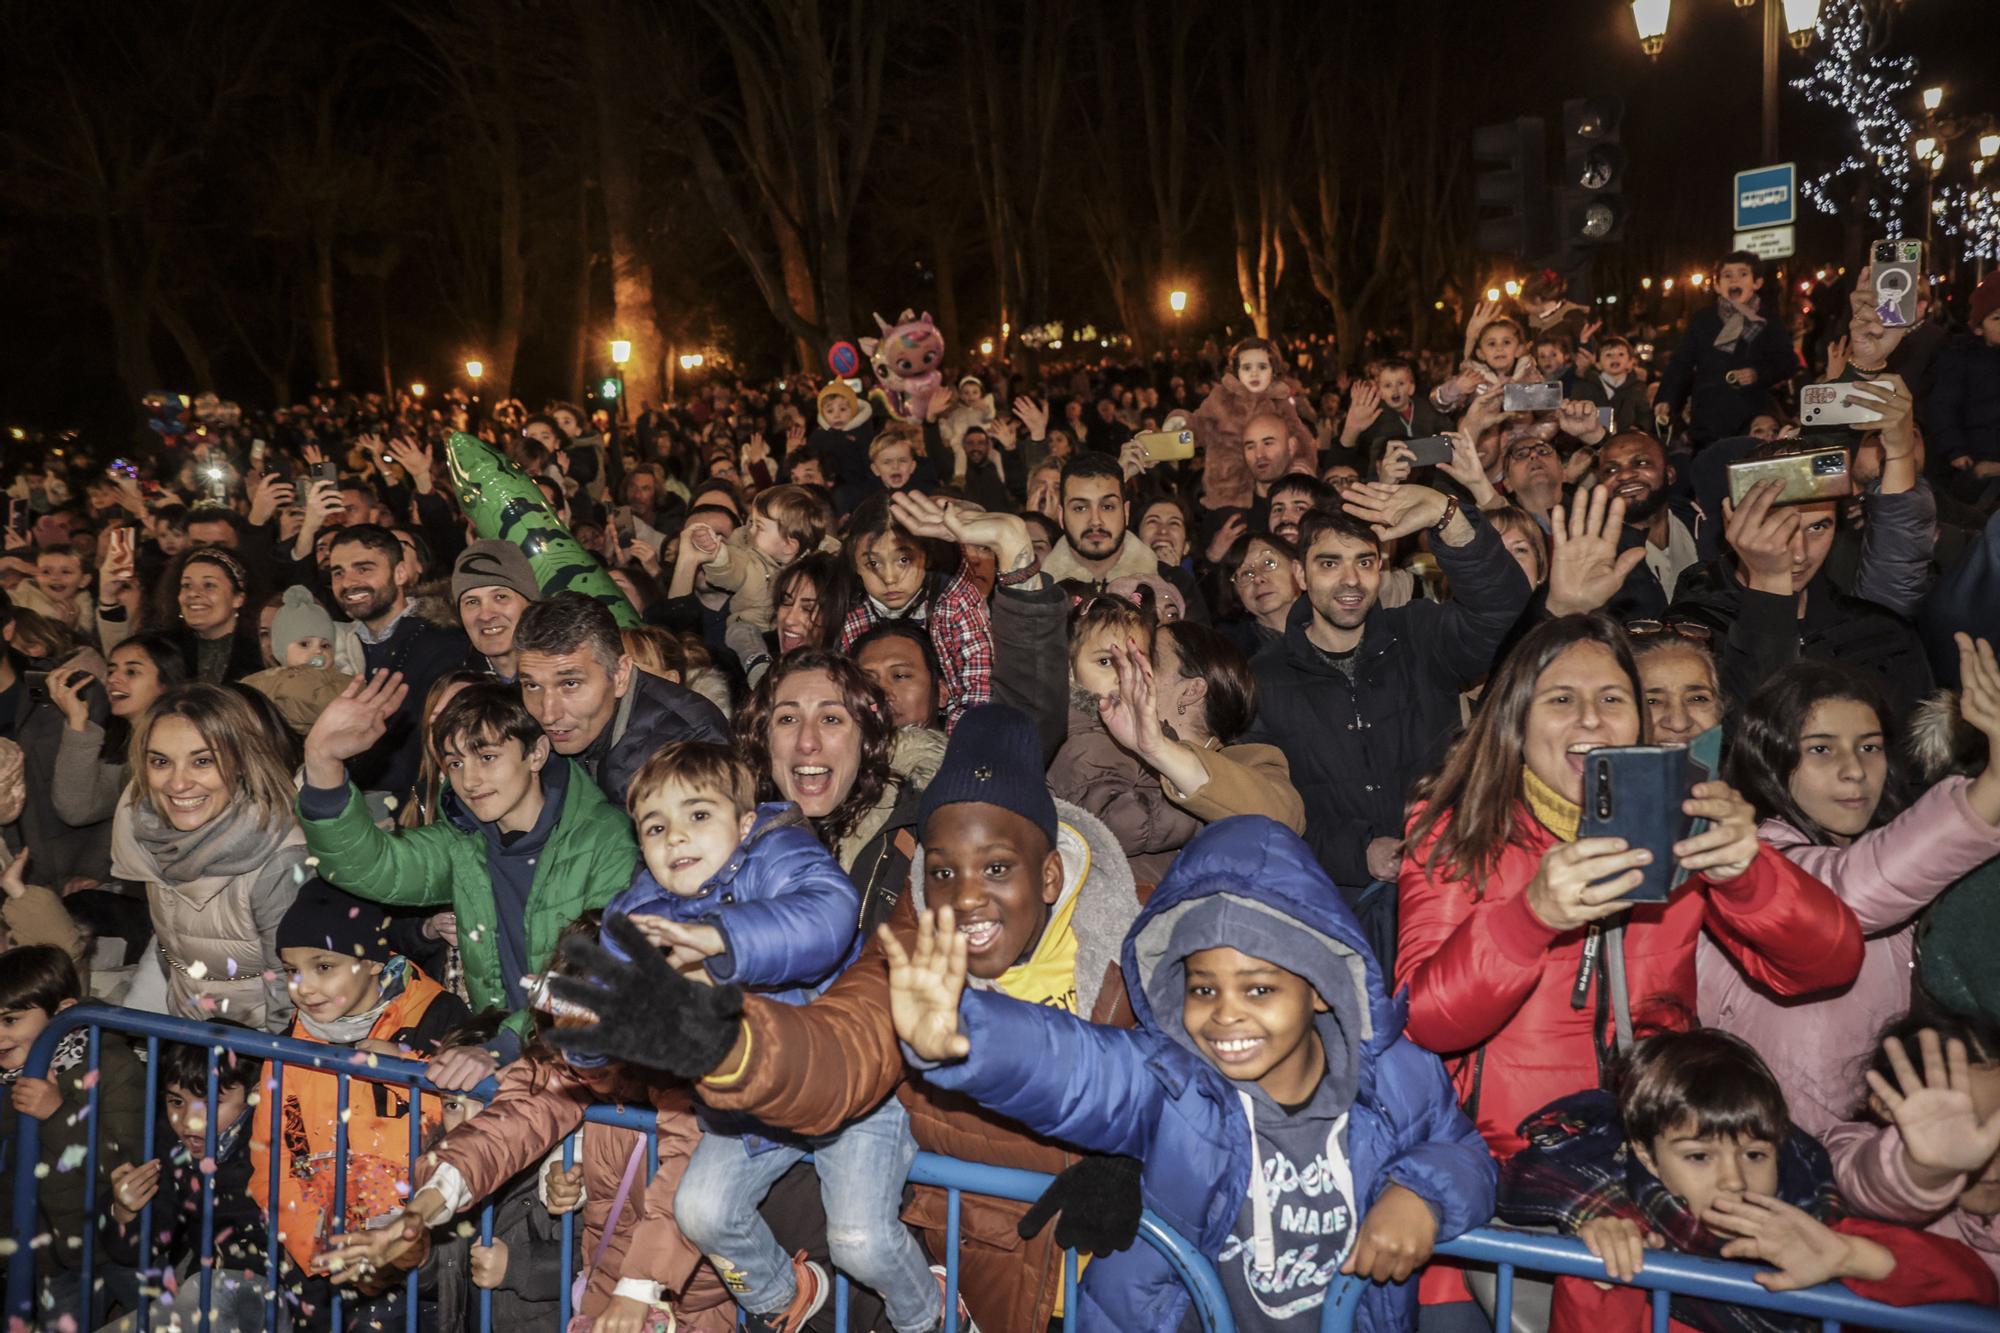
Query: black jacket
1759,632
1356,750
1965,405
1699,371
1629,409
1031,658
239,1217
653,713
422,650
1425,420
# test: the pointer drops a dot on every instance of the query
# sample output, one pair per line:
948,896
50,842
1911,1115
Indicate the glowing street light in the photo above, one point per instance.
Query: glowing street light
690,360
1989,145
1925,148
418,389
1646,284
1513,287
474,369
986,347
1666,284
1933,99
1697,279
1801,21
1177,301
1650,16
621,351
1492,293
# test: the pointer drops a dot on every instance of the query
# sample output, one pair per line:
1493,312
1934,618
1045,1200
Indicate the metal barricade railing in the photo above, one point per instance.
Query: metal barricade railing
956,1178
1509,1252
1666,1275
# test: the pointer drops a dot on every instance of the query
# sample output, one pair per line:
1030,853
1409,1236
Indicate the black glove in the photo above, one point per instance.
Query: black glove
648,1014
1100,1204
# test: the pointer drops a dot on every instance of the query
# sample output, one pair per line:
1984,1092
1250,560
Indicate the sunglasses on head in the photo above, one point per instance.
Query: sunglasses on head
1692,630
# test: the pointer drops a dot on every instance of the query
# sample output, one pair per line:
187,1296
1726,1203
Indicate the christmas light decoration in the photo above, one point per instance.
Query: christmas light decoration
1869,89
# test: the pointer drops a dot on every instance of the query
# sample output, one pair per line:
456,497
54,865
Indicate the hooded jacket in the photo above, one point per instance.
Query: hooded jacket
1815,1043
786,909
1490,987
812,1068
1249,883
217,895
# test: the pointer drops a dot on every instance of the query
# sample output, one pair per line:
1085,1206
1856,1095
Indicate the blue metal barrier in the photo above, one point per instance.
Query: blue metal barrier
956,1178
1664,1274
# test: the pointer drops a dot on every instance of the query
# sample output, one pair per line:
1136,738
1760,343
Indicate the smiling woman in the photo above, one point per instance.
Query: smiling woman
207,827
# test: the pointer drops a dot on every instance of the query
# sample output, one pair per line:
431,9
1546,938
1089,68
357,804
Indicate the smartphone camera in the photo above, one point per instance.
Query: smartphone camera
1828,465
1603,789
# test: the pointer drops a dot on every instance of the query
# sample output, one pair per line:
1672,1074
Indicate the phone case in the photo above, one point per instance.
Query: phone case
1635,792
1820,475
1898,272
1430,451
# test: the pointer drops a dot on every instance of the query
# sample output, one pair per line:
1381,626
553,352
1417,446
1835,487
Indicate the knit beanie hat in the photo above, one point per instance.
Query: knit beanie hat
494,563
301,617
322,917
1985,300
994,757
839,389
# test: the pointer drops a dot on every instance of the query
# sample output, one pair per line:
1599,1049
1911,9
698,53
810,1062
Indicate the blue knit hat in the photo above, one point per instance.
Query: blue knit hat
994,758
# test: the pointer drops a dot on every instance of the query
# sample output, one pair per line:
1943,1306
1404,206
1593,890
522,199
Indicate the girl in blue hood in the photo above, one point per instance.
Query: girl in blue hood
1285,1125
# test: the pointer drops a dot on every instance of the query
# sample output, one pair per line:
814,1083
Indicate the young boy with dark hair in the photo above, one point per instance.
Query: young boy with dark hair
172,1183
1284,1123
1695,1151
1732,359
37,982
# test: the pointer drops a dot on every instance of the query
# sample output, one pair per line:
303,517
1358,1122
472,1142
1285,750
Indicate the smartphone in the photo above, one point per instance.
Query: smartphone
19,517
1546,396
327,471
1635,792
1604,416
257,449
122,467
1830,405
1818,475
1166,446
1898,269
1429,451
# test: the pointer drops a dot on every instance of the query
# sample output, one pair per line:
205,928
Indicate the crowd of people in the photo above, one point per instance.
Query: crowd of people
1203,827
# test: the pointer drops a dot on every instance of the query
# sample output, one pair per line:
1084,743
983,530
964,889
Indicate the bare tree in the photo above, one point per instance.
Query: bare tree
1256,143
608,44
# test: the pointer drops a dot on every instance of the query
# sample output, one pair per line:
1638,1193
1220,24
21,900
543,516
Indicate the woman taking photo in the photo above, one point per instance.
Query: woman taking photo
817,732
1810,752
207,827
93,765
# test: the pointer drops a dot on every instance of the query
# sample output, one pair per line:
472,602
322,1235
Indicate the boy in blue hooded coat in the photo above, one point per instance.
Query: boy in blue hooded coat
1285,1125
744,896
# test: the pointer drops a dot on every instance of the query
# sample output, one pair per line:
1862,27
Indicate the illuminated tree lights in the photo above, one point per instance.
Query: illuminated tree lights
1868,88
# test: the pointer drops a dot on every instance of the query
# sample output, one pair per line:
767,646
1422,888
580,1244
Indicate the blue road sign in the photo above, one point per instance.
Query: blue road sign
1767,196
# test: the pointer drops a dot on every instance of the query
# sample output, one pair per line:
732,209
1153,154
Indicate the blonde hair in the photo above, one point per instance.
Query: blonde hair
1513,518
895,433
661,652
698,766
802,515
254,764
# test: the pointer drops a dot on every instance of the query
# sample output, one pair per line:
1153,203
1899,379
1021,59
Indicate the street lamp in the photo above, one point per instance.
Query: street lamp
1513,287
417,390
1989,145
1492,293
621,351
474,369
1925,148
1650,16
1933,99
1177,301
1801,21
1697,278
690,360
986,347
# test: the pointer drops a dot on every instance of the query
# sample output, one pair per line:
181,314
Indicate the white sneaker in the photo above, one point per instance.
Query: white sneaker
965,1324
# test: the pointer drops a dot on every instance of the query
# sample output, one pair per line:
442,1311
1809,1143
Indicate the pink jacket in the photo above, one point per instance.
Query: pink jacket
1874,1178
1816,1044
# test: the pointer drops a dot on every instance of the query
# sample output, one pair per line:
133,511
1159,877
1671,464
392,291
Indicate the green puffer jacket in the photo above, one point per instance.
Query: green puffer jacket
588,859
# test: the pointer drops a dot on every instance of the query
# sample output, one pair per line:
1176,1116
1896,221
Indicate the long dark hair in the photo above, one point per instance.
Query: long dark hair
1231,701
865,704
1764,742
1469,803
832,583
165,655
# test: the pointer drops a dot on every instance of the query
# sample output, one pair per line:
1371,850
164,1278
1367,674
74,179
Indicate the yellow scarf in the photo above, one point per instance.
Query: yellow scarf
1049,975
1557,813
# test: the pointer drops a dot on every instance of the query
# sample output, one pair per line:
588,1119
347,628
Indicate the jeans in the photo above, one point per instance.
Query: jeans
861,1173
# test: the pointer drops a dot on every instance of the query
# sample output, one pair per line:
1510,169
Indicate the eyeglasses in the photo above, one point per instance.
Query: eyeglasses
1267,568
1522,452
1692,630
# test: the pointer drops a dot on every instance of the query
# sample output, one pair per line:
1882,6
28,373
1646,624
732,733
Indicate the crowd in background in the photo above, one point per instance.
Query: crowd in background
1167,775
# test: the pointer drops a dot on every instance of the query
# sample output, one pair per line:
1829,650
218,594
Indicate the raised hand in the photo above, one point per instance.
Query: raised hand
925,986
1586,568
1393,511
361,1258
1804,1251
1979,693
795,438
1132,714
701,537
1364,410
1396,462
133,1185
14,879
1006,535
1225,536
268,494
414,459
629,996
356,719
66,686
685,945
1891,399
1004,432
1761,534
1726,849
1034,415
1836,357
1577,417
1934,1110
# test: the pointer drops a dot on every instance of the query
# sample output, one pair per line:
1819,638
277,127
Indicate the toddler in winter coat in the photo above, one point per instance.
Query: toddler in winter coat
636,1270
1251,388
1284,1123
737,892
1696,1152
172,1184
786,522
1928,1152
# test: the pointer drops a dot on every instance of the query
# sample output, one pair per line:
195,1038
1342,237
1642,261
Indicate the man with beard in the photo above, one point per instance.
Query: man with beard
1634,466
1097,547
1291,497
371,583
984,485
1363,698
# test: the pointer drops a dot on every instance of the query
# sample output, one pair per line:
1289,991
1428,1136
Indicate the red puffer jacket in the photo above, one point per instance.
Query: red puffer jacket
1487,978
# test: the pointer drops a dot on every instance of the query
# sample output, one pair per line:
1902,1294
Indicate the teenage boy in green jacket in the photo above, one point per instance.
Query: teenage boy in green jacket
524,842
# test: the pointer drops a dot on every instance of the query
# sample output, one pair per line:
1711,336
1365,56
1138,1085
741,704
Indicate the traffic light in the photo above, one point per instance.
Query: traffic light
1590,207
1511,188
610,388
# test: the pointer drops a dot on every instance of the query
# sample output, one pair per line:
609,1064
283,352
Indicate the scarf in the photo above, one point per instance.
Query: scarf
1738,321
1555,811
354,1028
69,1053
237,842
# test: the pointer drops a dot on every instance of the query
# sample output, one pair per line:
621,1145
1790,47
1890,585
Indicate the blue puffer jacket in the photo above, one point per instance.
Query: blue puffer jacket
788,913
1147,1094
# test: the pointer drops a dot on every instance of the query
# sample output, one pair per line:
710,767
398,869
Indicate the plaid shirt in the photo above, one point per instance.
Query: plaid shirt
961,630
